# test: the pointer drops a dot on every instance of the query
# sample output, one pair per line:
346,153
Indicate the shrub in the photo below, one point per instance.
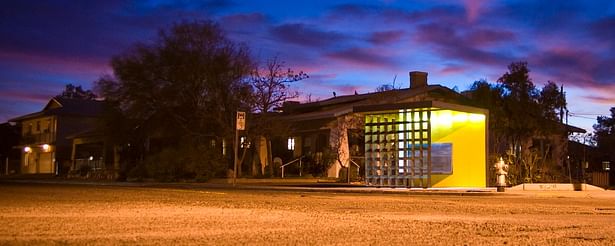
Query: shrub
181,163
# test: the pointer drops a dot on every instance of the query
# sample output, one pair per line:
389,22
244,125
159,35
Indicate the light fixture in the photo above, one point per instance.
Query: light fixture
46,147
27,149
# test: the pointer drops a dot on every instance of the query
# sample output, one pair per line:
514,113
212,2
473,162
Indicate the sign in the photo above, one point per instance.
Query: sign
241,120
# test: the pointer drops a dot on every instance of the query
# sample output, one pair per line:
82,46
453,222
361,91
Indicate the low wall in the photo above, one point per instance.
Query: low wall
556,187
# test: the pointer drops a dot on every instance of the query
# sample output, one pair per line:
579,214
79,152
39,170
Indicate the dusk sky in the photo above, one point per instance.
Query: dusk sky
343,45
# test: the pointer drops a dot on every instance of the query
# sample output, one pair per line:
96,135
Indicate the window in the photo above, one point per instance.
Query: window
606,165
291,143
441,156
38,126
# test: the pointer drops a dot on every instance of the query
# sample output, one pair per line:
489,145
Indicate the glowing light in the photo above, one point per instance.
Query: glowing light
46,147
460,117
27,149
91,158
477,117
291,143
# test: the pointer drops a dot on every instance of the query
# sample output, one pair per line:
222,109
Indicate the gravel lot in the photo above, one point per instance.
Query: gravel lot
87,214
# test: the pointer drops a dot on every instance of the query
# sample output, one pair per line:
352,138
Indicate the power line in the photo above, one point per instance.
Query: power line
584,117
586,114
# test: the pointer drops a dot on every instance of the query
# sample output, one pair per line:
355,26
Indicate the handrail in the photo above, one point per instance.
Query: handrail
291,162
358,168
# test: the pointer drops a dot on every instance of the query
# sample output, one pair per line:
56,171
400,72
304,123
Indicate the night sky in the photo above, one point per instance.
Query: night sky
343,45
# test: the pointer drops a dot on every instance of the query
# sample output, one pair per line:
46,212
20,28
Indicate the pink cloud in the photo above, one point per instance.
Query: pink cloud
25,96
55,65
450,70
385,37
473,9
601,100
363,57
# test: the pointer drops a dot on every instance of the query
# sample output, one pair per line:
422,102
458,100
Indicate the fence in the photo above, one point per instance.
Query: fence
599,179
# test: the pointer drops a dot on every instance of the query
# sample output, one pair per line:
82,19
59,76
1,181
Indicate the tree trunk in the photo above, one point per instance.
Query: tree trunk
270,158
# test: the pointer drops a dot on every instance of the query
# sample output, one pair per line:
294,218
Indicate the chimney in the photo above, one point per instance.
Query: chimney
418,79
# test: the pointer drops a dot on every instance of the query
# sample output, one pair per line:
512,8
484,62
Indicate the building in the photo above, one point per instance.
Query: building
420,136
45,147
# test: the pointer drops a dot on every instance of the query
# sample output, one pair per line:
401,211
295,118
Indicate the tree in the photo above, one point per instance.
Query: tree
76,92
385,87
553,102
519,114
185,86
604,135
271,87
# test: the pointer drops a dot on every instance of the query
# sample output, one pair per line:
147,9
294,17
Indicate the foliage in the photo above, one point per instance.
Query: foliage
186,85
76,92
552,101
518,113
318,164
385,87
604,136
180,163
189,82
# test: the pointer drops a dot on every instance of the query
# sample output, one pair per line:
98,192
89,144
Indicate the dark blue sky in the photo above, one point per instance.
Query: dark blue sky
343,45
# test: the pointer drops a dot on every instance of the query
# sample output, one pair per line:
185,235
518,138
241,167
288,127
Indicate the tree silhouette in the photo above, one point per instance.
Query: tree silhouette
185,86
604,135
76,92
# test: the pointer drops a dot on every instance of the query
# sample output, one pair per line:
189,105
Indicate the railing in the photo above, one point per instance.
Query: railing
97,164
47,137
358,168
291,162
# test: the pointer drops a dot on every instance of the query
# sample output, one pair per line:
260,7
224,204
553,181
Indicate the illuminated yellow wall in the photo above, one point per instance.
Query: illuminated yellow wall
466,133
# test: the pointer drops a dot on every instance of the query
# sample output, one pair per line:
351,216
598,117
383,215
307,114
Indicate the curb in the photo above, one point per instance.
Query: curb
282,187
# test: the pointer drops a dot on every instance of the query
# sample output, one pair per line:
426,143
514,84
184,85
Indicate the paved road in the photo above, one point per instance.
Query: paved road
93,214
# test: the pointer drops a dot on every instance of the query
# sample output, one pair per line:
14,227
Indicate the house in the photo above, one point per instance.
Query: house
420,136
45,148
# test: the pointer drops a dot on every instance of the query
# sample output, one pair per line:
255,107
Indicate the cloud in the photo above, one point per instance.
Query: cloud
26,96
451,44
363,57
308,36
385,37
473,8
482,37
602,30
604,100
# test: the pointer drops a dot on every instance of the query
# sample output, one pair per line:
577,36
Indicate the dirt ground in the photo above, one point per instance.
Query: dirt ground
102,215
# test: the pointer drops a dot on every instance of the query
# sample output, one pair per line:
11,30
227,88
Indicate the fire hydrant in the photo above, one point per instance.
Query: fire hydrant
501,170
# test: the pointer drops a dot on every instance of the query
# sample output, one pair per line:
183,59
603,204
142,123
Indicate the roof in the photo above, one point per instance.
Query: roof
67,107
341,105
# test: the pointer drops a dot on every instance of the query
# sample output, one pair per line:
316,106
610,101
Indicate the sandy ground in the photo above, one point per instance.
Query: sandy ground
101,215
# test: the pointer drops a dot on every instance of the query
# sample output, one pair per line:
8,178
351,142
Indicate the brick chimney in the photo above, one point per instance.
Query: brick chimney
418,79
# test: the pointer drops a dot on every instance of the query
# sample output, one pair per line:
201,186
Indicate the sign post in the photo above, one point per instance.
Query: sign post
240,125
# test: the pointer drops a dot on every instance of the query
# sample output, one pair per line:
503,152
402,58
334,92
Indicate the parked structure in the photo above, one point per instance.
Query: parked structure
421,136
44,143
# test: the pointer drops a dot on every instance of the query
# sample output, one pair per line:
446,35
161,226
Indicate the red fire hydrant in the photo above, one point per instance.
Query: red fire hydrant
501,170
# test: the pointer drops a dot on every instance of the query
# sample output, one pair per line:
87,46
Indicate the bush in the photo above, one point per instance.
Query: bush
318,164
181,163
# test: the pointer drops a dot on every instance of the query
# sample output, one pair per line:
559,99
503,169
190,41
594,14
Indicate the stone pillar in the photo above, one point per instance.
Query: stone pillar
338,140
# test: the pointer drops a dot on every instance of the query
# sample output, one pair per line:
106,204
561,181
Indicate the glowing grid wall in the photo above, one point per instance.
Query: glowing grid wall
425,147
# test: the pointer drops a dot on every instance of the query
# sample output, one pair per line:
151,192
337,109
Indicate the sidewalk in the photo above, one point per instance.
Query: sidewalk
310,185
289,184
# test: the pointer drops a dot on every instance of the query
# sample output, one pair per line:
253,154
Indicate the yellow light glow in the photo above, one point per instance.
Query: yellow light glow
460,117
46,147
27,149
477,117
